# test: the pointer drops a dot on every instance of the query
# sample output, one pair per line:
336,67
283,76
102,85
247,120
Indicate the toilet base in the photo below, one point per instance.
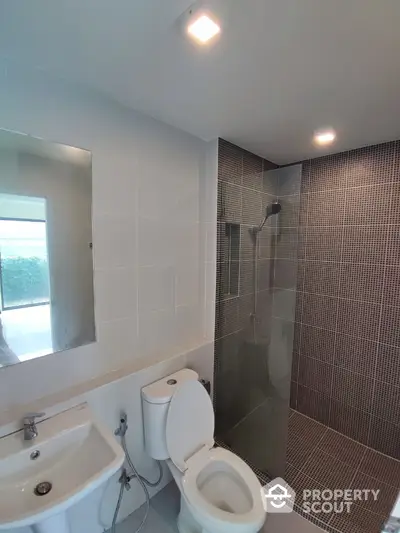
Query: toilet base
186,521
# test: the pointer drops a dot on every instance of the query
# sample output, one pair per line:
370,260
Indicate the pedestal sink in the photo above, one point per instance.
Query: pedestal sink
72,455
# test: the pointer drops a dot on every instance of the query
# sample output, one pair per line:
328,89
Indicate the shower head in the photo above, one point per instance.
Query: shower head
271,209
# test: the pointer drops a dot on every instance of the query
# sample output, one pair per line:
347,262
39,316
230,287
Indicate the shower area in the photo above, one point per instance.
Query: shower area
257,238
307,343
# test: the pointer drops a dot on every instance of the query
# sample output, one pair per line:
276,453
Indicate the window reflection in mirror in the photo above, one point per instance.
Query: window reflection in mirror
46,267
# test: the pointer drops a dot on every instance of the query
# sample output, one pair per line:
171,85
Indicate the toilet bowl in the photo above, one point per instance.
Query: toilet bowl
219,492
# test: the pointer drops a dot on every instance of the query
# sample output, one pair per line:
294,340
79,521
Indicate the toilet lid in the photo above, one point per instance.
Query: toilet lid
190,422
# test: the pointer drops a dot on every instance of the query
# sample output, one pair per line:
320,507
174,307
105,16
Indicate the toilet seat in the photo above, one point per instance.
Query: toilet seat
247,514
190,423
222,491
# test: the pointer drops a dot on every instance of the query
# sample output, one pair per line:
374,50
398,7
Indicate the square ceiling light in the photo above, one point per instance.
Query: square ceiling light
203,28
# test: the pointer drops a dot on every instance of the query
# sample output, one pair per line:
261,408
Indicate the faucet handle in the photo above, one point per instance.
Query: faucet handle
29,418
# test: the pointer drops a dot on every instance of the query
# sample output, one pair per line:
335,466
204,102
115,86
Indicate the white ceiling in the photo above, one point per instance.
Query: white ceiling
281,69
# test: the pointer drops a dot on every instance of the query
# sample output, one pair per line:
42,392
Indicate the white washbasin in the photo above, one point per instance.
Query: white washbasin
77,454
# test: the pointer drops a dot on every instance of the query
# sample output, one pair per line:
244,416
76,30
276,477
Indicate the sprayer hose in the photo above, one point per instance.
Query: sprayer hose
142,480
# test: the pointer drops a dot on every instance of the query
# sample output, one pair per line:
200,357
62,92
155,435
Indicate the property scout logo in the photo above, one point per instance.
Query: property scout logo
279,497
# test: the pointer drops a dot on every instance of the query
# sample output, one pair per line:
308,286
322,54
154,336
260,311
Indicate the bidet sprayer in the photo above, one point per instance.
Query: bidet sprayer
123,426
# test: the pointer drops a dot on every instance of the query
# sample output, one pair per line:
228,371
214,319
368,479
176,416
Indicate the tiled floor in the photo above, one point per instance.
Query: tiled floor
164,510
318,458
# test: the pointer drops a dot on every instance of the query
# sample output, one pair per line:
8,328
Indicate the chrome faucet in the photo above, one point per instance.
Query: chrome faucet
30,429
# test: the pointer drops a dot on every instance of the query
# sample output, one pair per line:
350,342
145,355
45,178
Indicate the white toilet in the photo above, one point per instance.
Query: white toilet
219,492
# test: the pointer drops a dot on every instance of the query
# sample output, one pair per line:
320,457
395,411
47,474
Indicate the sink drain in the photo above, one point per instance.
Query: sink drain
43,488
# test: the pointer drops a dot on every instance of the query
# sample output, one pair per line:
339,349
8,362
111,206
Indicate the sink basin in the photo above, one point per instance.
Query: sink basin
73,452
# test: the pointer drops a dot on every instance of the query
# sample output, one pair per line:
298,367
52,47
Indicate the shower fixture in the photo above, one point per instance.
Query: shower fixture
271,209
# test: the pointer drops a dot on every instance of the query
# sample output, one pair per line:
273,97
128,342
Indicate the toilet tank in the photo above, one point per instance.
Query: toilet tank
156,398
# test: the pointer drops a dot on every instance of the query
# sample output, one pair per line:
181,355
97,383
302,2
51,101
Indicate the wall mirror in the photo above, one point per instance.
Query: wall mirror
46,264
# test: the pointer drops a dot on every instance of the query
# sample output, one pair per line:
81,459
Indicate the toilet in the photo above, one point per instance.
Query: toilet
219,492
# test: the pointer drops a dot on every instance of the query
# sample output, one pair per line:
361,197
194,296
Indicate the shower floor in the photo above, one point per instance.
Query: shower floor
318,458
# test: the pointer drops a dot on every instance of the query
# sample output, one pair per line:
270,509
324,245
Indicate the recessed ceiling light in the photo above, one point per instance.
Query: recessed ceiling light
324,137
203,28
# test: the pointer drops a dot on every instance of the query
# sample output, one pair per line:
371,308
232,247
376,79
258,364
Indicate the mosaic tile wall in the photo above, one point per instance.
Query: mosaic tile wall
255,308
346,359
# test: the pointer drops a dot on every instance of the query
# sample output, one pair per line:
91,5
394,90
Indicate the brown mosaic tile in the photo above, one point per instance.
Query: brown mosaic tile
252,171
299,307
329,471
252,209
359,319
346,450
385,437
381,467
246,278
313,404
285,274
355,354
247,243
358,521
230,162
319,522
270,179
293,395
393,245
226,317
301,244
388,364
289,216
267,244
246,309
364,244
322,278
328,172
297,337
349,421
396,160
385,499
295,366
303,436
300,275
352,389
308,430
361,282
297,450
291,473
303,214
371,165
326,208
394,215
390,325
305,176
301,484
286,243
391,290
317,344
230,200
320,311
386,403
265,274
367,205
289,182
315,375
323,244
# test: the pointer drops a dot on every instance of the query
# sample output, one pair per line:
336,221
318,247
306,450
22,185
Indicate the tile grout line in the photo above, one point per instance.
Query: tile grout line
310,191
380,322
312,453
304,244
338,301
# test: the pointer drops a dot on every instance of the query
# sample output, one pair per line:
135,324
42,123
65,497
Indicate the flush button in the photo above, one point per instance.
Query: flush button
172,382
